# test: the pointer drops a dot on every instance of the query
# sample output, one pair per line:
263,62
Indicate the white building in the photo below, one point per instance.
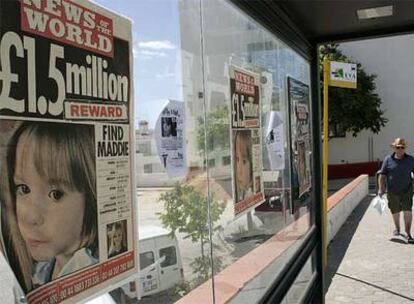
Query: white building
392,60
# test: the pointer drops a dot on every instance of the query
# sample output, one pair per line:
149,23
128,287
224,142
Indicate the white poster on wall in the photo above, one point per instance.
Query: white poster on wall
275,139
170,138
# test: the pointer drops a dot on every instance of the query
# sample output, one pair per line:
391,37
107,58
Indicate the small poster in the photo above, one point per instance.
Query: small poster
246,139
298,98
67,194
170,139
275,140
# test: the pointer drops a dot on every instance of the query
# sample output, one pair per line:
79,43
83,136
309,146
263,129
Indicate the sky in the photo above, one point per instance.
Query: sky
156,49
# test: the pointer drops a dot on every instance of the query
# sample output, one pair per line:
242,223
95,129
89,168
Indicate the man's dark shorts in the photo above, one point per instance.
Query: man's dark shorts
398,203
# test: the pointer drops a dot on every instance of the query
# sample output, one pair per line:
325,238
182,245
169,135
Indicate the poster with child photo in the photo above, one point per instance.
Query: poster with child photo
246,147
65,137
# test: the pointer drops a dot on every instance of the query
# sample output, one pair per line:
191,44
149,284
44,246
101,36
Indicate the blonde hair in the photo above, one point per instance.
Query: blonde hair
118,226
61,154
244,137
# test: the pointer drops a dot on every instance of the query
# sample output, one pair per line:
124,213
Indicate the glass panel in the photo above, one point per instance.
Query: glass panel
208,66
298,288
240,57
170,155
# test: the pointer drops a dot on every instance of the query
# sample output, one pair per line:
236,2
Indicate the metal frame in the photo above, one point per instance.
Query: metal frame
284,280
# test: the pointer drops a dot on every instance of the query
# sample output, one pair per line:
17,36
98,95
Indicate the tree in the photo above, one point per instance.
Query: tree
185,211
353,110
217,130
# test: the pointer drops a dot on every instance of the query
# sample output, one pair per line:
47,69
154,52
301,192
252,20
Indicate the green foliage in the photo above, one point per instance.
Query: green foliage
353,109
202,268
185,211
217,130
183,288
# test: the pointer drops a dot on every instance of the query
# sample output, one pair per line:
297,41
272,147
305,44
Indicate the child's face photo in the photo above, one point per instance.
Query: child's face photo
49,213
166,127
117,239
257,184
243,163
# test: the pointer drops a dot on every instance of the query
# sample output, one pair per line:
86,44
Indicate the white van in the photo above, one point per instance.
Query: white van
159,260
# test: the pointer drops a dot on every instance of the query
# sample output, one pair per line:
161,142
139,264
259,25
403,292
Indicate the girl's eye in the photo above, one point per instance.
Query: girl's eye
56,194
22,189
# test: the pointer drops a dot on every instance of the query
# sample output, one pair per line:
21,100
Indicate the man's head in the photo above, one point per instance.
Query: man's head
399,145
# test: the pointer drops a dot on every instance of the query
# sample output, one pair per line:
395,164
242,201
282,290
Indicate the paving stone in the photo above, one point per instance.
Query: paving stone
364,266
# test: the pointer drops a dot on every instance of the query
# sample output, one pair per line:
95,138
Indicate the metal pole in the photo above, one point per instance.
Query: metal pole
326,72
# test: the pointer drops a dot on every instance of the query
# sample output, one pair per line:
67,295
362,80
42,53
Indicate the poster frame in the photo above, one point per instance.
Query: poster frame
300,180
250,82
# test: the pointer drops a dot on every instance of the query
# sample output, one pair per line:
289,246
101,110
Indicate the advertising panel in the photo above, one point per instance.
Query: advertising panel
246,139
299,104
66,148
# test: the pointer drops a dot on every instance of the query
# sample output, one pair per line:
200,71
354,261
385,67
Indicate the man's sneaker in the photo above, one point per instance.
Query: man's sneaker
398,237
410,239
396,233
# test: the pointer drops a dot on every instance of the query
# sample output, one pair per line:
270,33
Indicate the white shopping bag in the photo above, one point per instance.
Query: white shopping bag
379,203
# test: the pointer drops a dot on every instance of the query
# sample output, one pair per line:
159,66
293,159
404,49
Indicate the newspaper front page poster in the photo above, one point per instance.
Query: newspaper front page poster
66,129
246,147
170,138
299,103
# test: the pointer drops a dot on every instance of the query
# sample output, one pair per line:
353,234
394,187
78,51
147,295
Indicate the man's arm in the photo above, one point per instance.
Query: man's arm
381,184
382,177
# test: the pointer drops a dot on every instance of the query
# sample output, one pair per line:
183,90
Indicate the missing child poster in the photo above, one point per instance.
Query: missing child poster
299,103
246,147
66,147
170,138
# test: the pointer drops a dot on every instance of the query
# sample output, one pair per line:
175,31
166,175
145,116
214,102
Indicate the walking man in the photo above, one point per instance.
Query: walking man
395,177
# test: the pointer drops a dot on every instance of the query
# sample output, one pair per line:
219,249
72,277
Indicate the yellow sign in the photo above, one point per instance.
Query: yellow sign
338,74
343,75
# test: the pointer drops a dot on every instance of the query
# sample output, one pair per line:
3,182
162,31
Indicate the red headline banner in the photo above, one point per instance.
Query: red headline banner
251,123
95,111
248,202
69,23
65,288
244,83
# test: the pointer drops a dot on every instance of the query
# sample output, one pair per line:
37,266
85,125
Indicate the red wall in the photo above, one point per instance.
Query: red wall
353,170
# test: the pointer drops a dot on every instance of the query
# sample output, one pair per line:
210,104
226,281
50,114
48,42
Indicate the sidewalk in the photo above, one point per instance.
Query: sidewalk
364,266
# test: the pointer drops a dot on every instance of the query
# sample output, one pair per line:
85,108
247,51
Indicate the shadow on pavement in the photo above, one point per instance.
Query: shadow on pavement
339,245
376,286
